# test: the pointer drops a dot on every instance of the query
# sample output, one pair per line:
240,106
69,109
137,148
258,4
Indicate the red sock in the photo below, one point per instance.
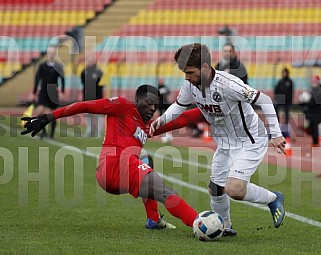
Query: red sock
180,209
151,208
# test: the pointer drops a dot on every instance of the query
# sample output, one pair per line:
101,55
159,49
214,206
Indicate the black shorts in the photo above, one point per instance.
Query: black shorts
49,102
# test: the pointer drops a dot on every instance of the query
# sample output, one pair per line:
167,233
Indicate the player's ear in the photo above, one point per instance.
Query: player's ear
205,67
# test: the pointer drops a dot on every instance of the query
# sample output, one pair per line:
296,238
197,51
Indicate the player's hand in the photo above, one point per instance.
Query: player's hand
278,143
155,125
34,124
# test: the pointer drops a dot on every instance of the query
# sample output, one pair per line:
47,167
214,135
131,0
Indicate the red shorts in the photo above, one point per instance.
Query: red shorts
121,174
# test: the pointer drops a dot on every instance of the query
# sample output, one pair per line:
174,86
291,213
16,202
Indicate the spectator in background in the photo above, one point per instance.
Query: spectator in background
164,103
47,75
92,90
164,92
231,64
283,94
313,110
227,32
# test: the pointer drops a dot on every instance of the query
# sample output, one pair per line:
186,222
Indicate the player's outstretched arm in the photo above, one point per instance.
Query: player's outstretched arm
171,113
185,119
102,106
95,106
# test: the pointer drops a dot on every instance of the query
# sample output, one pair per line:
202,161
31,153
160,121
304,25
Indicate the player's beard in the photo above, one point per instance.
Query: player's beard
202,82
205,81
199,81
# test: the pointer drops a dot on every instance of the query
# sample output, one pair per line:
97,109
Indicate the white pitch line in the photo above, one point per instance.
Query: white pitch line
180,182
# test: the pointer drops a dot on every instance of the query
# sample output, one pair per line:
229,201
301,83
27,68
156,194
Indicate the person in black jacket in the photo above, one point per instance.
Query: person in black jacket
47,75
231,64
92,90
164,103
283,94
164,92
313,111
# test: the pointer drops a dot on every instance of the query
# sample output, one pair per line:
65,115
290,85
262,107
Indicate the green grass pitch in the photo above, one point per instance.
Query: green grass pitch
50,204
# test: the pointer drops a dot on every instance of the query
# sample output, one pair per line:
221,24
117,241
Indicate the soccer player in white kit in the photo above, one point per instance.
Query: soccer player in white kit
242,140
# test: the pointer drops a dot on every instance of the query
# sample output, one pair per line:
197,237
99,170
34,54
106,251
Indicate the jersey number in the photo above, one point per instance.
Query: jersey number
143,167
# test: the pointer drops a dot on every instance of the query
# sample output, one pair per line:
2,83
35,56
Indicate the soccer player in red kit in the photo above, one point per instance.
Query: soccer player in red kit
120,169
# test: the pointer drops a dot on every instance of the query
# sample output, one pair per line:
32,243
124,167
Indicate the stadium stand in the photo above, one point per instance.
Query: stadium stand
28,27
136,45
269,36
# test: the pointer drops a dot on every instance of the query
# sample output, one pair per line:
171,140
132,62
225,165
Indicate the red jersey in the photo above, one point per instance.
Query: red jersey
120,170
125,127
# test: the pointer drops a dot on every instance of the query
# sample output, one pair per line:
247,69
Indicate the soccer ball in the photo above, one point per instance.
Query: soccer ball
208,226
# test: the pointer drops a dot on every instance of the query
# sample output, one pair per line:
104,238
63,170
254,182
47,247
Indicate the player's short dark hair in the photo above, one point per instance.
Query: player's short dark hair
194,55
142,90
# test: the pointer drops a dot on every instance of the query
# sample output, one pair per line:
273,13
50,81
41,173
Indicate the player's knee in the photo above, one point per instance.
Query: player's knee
173,192
235,190
215,190
154,186
166,193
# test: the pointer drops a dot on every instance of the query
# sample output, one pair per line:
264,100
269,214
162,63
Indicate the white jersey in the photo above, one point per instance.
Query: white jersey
227,107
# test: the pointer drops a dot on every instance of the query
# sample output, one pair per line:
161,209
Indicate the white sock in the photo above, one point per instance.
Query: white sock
221,205
256,194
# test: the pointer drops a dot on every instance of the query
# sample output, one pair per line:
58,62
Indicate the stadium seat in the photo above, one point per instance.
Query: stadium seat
32,24
248,18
